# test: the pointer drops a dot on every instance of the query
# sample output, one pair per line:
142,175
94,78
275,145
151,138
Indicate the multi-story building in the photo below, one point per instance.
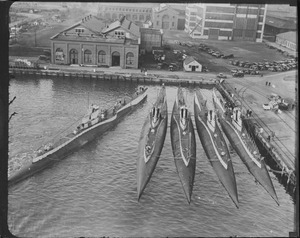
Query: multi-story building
92,42
168,17
226,21
138,13
150,38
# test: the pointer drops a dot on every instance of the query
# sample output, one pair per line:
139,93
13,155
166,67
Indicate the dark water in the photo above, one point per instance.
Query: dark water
93,191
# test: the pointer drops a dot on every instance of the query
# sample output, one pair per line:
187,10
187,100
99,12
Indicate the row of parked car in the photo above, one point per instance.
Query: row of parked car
215,53
274,66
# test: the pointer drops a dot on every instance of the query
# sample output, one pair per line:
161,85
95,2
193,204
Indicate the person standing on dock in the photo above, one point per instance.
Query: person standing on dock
266,83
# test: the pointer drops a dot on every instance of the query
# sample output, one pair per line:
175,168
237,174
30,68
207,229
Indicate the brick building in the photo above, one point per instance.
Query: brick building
92,42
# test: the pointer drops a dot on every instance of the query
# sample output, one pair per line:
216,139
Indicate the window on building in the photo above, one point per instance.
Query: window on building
173,23
79,30
87,56
129,58
73,56
157,23
141,18
190,66
101,57
59,55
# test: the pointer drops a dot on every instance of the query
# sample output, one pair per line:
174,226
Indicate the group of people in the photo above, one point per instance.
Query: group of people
268,83
139,90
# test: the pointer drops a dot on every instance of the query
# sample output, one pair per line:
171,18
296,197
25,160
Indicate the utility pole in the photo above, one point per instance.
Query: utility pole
15,33
35,37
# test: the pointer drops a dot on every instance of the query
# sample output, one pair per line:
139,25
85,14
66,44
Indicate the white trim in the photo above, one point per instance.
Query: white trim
216,20
186,161
245,147
212,140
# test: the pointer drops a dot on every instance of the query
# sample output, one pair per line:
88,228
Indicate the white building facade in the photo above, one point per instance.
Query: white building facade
191,65
226,21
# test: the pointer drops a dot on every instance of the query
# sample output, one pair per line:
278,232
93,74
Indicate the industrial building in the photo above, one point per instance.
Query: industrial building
150,38
275,25
226,21
137,13
287,40
168,17
91,42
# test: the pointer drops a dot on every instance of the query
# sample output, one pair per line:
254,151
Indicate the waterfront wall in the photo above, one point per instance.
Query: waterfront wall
207,83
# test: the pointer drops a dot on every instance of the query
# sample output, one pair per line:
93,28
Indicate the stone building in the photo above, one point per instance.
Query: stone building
93,43
226,21
168,17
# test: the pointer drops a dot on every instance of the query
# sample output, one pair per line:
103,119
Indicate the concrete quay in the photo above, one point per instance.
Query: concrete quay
275,134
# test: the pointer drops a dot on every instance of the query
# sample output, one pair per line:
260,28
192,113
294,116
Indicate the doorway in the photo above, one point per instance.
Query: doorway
115,59
73,56
193,68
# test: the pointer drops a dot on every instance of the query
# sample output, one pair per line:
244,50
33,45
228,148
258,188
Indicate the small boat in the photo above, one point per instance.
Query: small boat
183,144
92,125
152,141
213,142
243,144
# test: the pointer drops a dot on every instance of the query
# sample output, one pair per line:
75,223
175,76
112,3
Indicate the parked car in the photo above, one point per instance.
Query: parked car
221,76
173,67
228,56
266,106
238,74
44,57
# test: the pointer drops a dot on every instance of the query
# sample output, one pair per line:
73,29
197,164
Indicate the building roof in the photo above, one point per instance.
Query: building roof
290,36
281,23
89,38
90,22
151,31
125,24
93,23
189,60
120,4
164,8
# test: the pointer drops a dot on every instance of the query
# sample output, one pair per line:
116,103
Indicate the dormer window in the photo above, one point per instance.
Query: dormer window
119,33
79,30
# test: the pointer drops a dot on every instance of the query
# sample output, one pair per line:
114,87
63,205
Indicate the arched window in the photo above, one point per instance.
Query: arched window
73,56
59,55
87,56
101,57
129,58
